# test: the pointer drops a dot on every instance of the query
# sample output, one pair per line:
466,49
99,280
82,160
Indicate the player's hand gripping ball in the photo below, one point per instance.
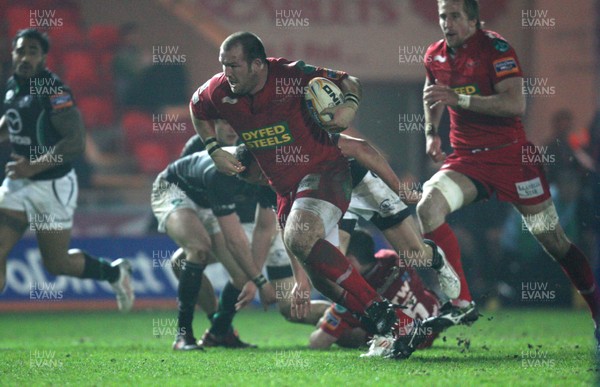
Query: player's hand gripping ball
322,93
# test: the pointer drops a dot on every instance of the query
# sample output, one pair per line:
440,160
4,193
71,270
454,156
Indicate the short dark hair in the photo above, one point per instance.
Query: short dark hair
251,45
32,33
472,11
471,8
245,157
362,246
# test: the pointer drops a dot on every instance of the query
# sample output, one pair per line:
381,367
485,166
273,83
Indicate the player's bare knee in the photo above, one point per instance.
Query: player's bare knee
545,227
555,243
429,211
177,260
299,243
197,252
302,230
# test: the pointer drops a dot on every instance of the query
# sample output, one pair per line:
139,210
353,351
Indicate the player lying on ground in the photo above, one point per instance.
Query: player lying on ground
476,74
46,134
196,206
395,281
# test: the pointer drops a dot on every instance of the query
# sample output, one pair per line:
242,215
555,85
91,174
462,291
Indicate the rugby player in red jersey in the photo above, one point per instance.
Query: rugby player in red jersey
477,75
312,195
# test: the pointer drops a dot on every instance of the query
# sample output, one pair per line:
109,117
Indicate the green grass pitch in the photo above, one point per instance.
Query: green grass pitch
506,347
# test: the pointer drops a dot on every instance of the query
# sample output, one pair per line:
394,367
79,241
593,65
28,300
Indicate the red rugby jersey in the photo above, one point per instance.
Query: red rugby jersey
274,123
483,60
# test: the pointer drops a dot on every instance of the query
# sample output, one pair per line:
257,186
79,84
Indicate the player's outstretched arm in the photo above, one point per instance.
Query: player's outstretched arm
300,304
263,233
224,161
370,158
239,246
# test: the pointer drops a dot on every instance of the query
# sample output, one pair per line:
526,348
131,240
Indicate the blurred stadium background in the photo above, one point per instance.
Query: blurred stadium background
134,64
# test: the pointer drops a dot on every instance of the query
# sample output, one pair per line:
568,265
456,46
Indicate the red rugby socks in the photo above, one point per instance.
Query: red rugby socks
577,268
445,238
350,302
326,260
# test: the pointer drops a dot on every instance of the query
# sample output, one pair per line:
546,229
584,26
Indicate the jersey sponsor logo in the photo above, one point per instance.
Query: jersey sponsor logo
439,58
14,121
530,188
506,66
268,137
471,89
501,45
19,140
61,100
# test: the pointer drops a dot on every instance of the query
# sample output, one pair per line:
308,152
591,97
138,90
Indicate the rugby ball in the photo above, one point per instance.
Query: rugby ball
321,93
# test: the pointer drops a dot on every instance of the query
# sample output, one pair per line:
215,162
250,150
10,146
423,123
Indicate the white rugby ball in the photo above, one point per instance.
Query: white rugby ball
322,93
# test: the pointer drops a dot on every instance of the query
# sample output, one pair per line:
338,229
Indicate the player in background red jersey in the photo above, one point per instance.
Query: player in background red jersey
477,75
